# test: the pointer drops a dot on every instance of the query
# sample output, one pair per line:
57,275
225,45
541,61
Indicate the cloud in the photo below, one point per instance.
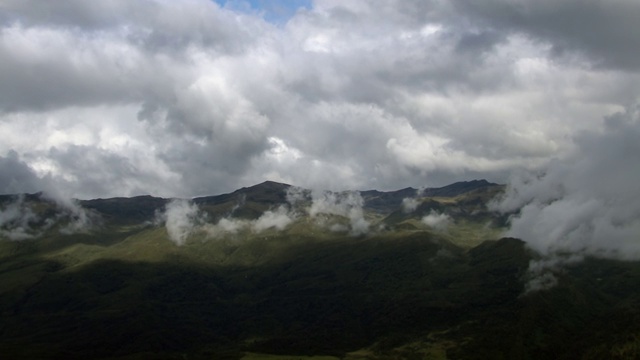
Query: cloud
296,195
181,219
411,204
584,204
22,218
17,177
437,221
346,204
605,31
543,273
18,221
227,225
79,219
188,98
278,219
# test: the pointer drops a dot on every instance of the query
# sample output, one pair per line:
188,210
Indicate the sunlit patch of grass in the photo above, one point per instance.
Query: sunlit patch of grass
432,347
445,200
469,234
122,244
76,254
463,233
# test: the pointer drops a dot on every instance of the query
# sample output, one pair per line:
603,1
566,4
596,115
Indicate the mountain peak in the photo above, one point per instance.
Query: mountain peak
269,185
458,188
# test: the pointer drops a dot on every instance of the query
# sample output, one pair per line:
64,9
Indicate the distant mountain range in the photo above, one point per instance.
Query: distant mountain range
269,194
273,271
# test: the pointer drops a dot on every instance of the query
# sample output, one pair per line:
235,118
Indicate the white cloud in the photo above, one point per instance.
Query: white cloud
278,219
410,204
16,221
297,195
437,221
181,218
347,204
20,219
188,98
584,204
231,226
543,273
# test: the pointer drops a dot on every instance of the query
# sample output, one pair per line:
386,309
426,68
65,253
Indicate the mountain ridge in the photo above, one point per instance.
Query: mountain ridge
452,189
253,274
142,208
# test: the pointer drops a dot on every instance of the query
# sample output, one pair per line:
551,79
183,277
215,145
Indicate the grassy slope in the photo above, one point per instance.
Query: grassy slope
127,292
412,293
471,222
76,291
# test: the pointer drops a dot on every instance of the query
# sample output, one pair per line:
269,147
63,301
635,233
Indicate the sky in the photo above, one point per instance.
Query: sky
194,97
273,11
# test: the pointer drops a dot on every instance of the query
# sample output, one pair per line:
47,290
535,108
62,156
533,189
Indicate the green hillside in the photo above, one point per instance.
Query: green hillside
121,289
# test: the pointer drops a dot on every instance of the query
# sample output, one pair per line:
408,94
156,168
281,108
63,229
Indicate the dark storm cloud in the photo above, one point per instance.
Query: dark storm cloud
95,171
16,176
605,32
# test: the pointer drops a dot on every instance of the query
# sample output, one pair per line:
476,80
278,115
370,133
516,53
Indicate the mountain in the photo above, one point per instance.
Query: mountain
428,277
133,210
268,194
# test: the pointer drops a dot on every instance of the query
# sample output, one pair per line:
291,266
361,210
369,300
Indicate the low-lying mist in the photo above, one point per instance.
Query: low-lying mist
346,204
20,219
584,205
183,218
437,221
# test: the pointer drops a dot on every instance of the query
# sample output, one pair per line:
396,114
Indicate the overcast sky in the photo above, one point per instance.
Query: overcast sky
194,97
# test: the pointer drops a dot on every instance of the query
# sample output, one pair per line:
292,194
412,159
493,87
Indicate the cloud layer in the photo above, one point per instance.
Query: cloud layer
586,203
118,98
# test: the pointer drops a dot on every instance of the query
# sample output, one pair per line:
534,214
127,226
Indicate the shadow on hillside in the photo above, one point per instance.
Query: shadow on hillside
318,298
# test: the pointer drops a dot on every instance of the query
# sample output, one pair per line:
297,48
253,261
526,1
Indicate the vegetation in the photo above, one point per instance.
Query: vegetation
125,291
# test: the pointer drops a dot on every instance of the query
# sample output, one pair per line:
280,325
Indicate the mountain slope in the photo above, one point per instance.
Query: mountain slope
405,289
